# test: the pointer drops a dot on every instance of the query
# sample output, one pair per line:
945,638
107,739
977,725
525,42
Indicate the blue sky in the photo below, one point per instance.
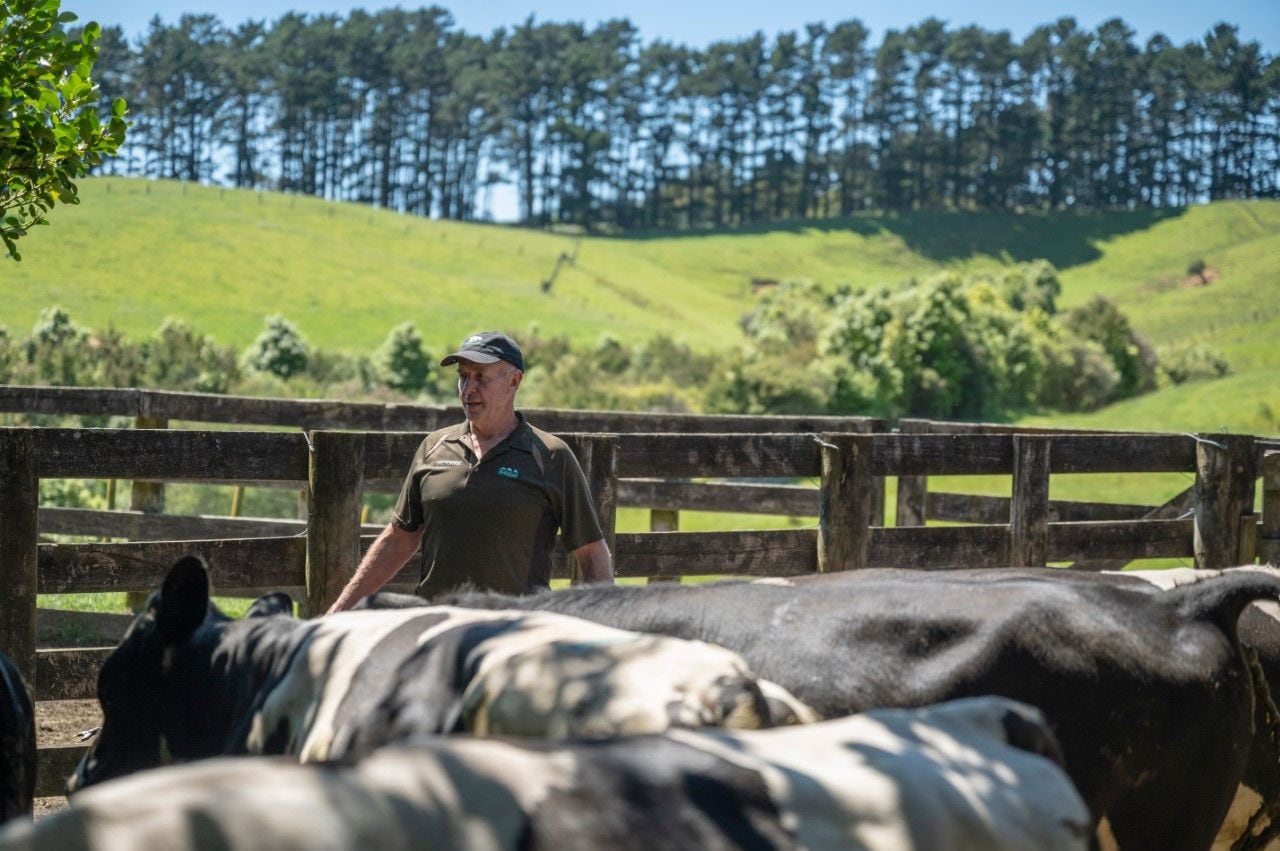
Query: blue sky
698,22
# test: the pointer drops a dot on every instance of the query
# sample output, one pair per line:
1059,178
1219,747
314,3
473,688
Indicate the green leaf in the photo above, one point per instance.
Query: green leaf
68,17
119,107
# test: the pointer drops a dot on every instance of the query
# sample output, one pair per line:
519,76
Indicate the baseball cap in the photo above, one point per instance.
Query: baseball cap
487,347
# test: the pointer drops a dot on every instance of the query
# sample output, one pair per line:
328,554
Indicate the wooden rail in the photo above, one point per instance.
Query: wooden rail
1214,522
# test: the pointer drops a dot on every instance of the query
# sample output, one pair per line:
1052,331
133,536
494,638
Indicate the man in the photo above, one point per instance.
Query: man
484,498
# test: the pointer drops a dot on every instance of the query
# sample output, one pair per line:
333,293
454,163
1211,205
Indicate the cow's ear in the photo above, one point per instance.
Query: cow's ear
275,603
183,603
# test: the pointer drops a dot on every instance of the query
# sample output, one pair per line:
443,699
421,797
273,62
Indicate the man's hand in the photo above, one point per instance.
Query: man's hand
595,562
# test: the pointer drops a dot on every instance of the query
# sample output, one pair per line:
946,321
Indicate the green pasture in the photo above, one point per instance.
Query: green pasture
137,251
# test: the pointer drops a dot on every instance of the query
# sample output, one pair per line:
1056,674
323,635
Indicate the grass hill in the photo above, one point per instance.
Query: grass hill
136,251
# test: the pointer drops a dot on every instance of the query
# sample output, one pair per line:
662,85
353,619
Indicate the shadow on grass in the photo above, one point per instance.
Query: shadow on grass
1065,239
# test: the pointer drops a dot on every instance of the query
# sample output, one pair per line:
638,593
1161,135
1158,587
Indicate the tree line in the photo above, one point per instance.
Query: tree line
595,127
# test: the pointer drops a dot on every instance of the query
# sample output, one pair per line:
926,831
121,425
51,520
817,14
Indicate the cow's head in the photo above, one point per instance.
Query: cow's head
154,687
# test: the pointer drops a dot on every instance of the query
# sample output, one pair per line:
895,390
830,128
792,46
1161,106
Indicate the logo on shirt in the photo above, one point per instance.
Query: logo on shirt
509,472
445,462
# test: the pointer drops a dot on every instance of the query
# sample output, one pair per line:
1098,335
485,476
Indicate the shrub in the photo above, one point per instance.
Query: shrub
1135,361
280,350
178,357
56,350
402,363
1193,362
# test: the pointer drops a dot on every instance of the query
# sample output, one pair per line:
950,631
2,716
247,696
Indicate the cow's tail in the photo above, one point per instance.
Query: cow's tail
1221,599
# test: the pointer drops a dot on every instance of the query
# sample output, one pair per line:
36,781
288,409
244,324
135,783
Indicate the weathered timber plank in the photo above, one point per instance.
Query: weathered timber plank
625,422
953,427
1225,477
941,454
1175,508
1029,515
984,454
1123,453
845,504
333,532
939,547
19,496
1269,534
16,398
69,674
787,552
53,766
136,526
913,491
976,508
718,496
334,414
236,563
1122,540
171,454
387,455
725,455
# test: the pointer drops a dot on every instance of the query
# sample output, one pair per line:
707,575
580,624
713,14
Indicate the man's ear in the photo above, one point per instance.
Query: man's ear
183,602
516,377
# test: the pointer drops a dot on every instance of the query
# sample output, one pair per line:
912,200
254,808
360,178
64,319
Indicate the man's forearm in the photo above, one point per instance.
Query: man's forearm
595,562
384,559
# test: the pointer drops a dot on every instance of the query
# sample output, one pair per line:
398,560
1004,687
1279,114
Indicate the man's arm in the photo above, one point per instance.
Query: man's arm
595,562
384,559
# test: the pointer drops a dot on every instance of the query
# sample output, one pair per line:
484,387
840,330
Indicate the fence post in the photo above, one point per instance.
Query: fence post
335,475
147,497
913,491
845,502
597,455
664,520
1269,544
1225,476
1029,508
19,497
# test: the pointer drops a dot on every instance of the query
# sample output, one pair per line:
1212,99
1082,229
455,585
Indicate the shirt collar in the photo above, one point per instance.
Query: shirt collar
521,438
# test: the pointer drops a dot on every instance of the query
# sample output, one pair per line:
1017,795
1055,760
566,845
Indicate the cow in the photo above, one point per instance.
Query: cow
17,744
1148,693
187,682
1253,820
974,773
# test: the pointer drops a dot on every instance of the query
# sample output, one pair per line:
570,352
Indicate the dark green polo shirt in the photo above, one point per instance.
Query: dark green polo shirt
493,524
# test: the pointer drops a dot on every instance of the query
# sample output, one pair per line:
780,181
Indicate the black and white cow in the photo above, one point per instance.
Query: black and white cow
1253,820
1147,692
17,743
187,682
971,774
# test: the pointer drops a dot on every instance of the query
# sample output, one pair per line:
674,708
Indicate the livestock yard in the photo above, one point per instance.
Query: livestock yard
337,454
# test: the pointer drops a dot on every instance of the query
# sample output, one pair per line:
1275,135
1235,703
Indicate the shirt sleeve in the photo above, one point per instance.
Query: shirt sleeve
578,522
407,514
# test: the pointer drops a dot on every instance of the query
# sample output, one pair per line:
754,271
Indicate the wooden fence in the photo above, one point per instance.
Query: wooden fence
1213,522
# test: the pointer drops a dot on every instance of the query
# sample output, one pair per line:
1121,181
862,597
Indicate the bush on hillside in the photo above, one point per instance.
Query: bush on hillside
1102,322
113,360
178,357
56,352
280,350
1193,362
403,363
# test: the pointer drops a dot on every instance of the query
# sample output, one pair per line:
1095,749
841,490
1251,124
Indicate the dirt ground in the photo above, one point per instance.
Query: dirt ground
57,723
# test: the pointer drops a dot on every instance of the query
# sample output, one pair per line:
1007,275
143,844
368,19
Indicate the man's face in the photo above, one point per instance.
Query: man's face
487,390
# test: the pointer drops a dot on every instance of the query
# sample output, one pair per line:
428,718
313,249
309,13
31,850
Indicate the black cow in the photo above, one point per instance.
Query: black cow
17,744
969,774
187,682
1148,692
